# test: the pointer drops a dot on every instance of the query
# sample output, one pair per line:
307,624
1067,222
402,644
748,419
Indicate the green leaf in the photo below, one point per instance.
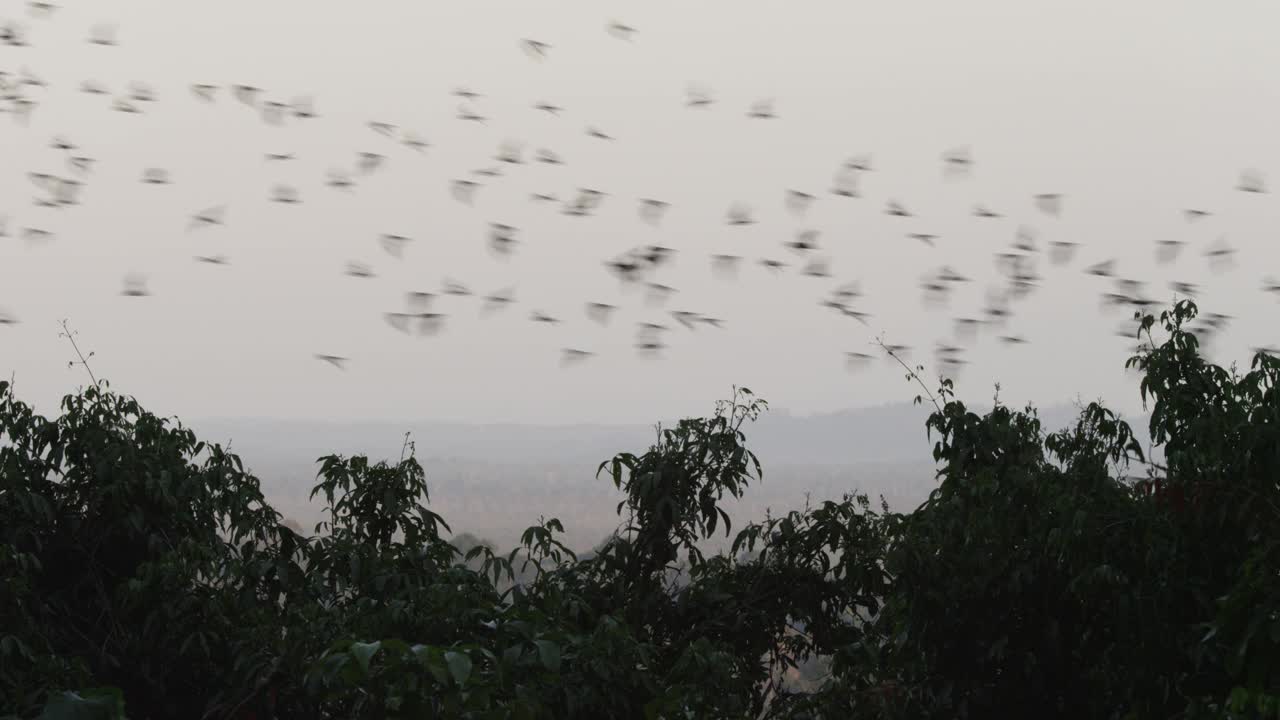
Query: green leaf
364,652
431,657
511,654
549,653
106,703
1239,699
459,666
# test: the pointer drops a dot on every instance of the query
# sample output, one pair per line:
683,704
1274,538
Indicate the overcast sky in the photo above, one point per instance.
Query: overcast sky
1133,111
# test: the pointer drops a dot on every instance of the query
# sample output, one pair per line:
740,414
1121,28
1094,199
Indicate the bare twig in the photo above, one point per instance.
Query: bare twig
910,374
84,360
407,447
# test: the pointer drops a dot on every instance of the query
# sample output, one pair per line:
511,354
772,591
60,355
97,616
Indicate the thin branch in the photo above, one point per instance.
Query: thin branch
69,335
911,374
407,445
1149,463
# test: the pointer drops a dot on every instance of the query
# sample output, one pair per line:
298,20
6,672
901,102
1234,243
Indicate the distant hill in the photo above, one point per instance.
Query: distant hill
888,433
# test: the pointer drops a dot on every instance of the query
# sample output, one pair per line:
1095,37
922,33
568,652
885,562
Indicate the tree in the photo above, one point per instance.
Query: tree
145,574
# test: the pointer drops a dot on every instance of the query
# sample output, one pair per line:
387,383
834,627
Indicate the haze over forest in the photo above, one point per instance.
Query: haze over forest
494,480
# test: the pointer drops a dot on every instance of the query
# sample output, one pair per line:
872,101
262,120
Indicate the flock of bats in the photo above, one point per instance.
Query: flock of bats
801,253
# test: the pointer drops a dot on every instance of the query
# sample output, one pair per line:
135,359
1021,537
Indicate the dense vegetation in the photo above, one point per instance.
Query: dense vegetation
143,575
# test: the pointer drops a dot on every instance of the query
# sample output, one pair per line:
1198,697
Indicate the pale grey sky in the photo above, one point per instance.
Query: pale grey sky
1133,111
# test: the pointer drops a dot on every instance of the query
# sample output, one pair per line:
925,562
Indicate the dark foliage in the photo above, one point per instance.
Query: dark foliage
143,575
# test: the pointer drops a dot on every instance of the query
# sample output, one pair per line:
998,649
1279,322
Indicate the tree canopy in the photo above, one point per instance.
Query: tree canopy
144,575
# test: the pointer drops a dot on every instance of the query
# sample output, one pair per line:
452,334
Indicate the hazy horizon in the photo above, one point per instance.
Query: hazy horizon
494,480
